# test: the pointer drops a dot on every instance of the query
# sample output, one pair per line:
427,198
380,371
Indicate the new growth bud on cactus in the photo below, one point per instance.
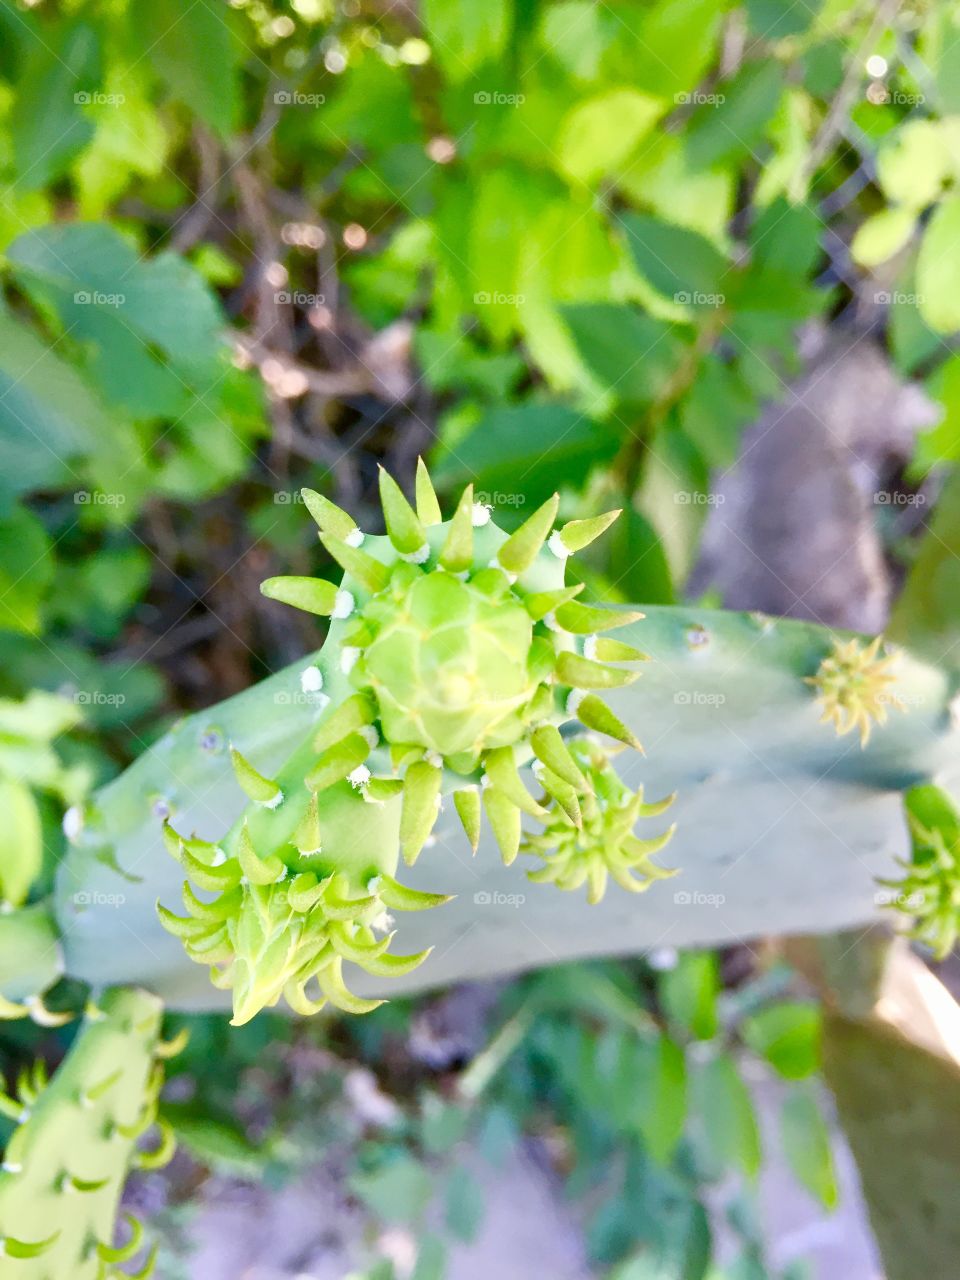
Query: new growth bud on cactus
853,683
77,1137
454,653
589,837
929,890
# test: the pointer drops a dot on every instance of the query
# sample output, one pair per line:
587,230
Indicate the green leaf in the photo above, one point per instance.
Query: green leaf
195,52
675,44
688,993
598,135
631,353
774,20
788,1036
26,571
726,1116
153,325
21,842
678,263
938,269
464,1204
806,1145
715,411
48,125
660,1105
525,453
49,417
882,235
397,1192
732,128
465,35
914,163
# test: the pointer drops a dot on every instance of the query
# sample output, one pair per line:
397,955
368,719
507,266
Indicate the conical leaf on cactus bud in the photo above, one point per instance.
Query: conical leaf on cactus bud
338,762
428,508
312,595
550,748
583,619
578,534
466,801
456,554
504,818
421,792
329,517
595,714
501,769
370,573
521,549
403,525
260,789
581,673
354,713
541,603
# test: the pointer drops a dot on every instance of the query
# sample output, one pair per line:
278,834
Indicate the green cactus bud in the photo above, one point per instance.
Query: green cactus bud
301,889
77,1137
852,684
929,889
602,845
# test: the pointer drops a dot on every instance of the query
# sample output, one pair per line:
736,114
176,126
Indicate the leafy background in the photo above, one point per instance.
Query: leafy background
253,246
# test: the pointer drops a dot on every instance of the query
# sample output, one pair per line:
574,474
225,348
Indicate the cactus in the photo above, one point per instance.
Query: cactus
782,825
76,1138
454,653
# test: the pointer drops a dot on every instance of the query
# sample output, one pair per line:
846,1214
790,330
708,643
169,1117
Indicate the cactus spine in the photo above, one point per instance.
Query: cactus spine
76,1138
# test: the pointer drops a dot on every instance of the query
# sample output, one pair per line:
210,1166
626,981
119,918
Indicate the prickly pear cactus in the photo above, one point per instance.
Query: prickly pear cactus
454,654
75,1141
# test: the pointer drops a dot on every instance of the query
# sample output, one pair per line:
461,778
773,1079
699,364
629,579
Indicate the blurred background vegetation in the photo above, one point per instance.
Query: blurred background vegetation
576,246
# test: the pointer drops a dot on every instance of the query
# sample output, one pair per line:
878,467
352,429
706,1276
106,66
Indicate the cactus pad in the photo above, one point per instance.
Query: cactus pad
77,1137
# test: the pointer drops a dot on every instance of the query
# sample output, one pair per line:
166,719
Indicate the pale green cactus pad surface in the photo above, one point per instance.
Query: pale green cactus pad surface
782,825
76,1139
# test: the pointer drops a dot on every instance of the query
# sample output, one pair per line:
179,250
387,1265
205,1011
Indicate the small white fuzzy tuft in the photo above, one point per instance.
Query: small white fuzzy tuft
360,776
550,622
311,679
10,1166
343,605
558,546
590,648
485,781
574,698
354,538
537,769
420,556
348,658
370,736
274,802
311,853
219,857
434,758
480,514
73,822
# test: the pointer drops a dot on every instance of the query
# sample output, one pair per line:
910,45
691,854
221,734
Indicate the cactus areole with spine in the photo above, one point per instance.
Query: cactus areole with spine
455,653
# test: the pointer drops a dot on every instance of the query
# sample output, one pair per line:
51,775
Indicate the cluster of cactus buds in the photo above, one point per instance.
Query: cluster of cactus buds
455,652
76,1138
588,835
